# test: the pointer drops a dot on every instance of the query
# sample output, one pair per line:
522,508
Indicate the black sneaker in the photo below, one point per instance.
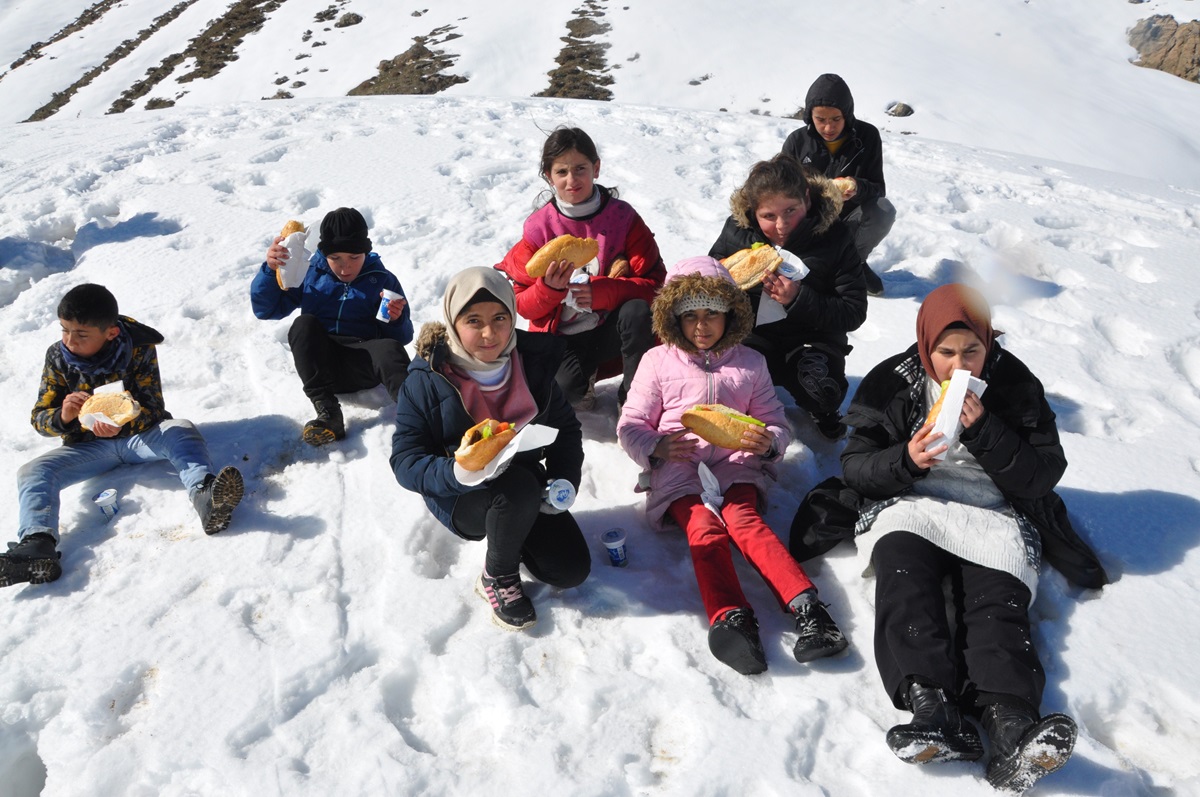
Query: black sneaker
217,497
733,639
327,427
511,609
830,426
819,635
874,283
34,560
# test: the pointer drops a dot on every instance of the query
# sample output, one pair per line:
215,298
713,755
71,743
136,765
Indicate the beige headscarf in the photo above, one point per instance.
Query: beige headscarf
462,289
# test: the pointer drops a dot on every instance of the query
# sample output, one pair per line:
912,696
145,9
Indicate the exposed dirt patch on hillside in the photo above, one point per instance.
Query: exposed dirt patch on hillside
418,70
582,71
1162,43
215,47
89,15
61,98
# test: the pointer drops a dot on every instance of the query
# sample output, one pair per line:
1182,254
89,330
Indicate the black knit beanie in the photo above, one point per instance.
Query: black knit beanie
344,230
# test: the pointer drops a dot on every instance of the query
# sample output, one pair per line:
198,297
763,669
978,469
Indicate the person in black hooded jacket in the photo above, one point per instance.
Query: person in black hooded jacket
840,146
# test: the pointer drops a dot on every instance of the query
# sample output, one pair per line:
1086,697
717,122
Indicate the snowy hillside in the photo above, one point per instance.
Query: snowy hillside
1049,79
329,641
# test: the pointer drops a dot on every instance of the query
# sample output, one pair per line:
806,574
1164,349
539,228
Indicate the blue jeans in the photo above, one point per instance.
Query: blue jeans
40,480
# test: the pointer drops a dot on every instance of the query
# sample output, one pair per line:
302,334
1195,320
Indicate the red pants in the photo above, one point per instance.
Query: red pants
744,527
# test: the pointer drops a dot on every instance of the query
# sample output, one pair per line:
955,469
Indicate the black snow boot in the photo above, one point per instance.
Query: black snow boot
938,731
1025,748
733,638
830,425
328,426
819,634
34,559
217,497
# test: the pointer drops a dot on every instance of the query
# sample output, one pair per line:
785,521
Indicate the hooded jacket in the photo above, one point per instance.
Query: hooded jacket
343,308
674,377
431,419
1016,442
833,295
861,153
140,378
621,233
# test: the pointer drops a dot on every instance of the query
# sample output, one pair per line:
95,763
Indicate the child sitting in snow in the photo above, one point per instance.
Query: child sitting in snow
474,366
979,520
338,343
100,347
608,313
702,319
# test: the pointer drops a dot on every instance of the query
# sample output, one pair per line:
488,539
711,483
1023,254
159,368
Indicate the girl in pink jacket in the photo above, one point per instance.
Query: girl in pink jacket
702,318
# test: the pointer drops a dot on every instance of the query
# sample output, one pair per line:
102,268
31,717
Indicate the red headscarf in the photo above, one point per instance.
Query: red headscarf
945,306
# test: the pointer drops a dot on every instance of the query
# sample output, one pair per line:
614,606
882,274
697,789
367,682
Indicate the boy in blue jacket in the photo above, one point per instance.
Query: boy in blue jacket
99,347
338,343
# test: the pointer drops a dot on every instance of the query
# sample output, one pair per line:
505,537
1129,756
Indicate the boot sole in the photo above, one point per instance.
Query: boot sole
1043,749
318,436
227,491
736,651
926,747
32,571
497,620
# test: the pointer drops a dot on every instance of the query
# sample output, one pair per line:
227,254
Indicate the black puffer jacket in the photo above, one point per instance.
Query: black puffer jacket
833,296
861,154
1016,443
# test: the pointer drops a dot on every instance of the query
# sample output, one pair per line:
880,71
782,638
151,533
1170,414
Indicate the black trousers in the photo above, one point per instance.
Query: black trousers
506,513
329,364
626,332
983,654
813,373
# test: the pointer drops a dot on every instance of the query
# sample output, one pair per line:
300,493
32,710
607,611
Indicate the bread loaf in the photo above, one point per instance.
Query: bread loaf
578,251
749,266
720,425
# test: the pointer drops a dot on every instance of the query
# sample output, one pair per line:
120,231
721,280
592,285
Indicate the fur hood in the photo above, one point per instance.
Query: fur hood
826,204
739,319
432,337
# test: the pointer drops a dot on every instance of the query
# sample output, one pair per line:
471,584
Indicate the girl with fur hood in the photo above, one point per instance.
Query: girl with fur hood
780,205
603,309
702,319
475,366
979,520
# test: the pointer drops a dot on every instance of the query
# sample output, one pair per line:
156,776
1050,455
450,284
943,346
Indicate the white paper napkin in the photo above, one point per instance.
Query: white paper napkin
532,436
711,493
947,420
293,270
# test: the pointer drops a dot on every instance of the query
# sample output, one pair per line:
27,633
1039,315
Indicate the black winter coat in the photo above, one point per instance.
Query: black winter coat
1016,442
431,419
860,155
833,295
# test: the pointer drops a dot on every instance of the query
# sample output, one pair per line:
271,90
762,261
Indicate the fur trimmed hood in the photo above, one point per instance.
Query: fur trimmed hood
739,318
826,204
432,337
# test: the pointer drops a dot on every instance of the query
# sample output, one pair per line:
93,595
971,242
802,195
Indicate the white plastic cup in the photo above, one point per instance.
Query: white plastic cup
106,500
614,543
559,494
388,297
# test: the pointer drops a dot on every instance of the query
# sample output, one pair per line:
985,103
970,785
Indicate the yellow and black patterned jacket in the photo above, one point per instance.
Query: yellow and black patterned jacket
141,379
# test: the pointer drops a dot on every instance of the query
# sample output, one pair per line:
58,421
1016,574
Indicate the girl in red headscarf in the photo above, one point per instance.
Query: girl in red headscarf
981,520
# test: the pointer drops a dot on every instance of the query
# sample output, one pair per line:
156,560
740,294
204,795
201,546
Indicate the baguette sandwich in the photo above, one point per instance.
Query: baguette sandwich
482,443
720,425
579,251
289,228
749,266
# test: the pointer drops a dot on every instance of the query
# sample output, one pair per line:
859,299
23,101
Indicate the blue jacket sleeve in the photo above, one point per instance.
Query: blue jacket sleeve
402,328
270,302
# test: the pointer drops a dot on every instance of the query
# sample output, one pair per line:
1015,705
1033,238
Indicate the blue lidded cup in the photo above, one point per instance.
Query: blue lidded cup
106,500
614,543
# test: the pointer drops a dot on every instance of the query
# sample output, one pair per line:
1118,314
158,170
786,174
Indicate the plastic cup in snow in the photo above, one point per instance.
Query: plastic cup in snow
614,543
107,501
388,297
559,494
